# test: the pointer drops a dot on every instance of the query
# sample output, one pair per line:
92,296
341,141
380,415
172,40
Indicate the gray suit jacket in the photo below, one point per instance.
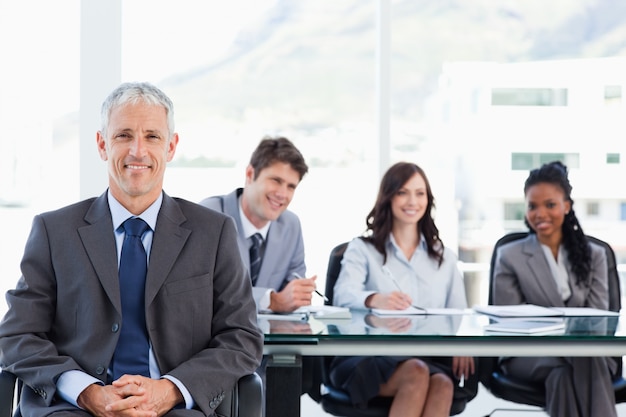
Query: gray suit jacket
522,275
284,247
65,312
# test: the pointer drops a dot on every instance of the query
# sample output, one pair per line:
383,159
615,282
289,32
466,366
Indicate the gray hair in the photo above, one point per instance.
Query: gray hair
133,93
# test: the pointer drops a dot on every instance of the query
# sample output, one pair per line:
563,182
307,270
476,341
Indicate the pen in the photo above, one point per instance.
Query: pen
393,279
297,276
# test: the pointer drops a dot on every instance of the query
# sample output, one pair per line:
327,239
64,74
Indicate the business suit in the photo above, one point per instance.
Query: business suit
284,246
574,386
66,310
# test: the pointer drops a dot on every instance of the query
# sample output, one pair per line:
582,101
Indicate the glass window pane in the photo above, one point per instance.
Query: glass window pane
481,93
613,94
39,99
304,70
522,161
593,208
612,158
514,211
528,97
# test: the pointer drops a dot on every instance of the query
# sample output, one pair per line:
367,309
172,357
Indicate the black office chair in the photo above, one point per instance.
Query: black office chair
337,402
512,389
245,399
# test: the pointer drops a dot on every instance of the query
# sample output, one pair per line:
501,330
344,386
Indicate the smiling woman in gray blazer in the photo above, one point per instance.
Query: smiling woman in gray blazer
557,266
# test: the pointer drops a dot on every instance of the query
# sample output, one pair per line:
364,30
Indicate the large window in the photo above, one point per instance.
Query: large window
301,69
39,98
480,92
525,161
529,97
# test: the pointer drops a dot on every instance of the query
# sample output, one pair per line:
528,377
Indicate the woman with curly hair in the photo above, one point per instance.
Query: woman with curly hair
557,266
400,262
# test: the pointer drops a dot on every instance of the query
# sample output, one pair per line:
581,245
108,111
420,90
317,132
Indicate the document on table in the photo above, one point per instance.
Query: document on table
412,311
283,316
527,326
531,310
322,312
585,311
521,310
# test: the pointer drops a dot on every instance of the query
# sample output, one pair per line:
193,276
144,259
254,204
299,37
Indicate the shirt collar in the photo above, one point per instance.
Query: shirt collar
393,244
248,228
119,214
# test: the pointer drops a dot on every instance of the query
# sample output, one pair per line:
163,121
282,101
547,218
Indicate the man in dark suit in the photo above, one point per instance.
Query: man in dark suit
276,168
64,321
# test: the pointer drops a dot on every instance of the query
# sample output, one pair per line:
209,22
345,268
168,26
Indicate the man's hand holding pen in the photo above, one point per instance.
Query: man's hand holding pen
297,293
297,276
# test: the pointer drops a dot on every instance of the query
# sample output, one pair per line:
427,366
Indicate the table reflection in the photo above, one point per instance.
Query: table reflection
365,323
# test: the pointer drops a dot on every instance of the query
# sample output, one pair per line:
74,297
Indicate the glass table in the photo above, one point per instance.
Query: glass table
459,334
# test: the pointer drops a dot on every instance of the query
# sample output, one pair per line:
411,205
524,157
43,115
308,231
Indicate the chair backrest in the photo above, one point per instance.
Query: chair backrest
615,292
334,267
504,239
615,295
244,400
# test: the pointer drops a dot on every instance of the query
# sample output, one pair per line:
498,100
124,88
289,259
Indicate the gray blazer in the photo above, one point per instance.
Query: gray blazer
284,246
65,311
522,275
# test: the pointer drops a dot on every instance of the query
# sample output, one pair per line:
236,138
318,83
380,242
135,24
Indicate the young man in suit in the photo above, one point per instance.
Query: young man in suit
62,334
276,168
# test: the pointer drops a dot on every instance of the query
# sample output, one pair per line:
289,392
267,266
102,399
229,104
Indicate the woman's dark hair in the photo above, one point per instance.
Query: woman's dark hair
380,220
574,240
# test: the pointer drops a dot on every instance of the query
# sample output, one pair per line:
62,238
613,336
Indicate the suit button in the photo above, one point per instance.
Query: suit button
100,370
115,327
212,404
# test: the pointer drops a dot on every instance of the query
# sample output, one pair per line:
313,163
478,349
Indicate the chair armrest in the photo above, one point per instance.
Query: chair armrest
245,399
7,391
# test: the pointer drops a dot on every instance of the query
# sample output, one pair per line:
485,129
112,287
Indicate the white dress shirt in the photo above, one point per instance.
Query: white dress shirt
428,284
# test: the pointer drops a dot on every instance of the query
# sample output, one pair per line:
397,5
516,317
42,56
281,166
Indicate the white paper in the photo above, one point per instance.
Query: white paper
526,327
585,311
413,311
286,316
530,310
520,310
326,312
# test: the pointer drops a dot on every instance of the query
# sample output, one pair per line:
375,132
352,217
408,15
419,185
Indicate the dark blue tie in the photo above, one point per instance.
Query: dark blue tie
131,353
255,256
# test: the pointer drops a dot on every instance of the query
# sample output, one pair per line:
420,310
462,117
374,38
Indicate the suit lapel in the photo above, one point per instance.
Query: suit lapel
540,269
99,241
231,208
273,250
169,239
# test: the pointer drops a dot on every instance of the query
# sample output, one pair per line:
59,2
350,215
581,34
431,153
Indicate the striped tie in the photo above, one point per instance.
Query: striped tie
255,256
